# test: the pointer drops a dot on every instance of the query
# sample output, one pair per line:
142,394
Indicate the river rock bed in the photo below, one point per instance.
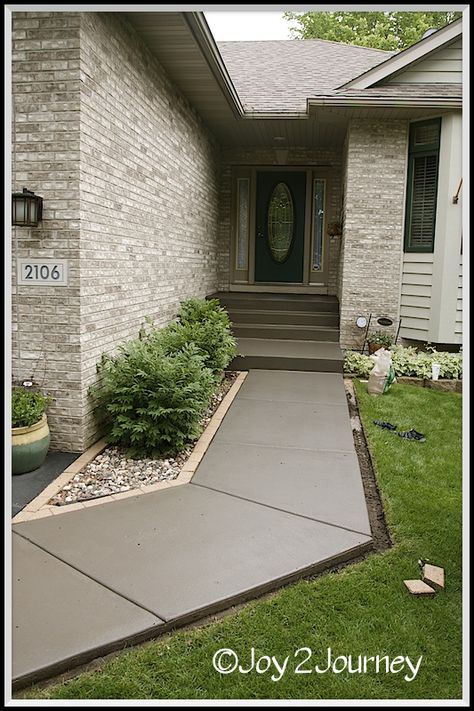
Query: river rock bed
113,472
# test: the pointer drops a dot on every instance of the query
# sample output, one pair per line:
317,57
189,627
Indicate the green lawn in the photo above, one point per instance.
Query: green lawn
363,609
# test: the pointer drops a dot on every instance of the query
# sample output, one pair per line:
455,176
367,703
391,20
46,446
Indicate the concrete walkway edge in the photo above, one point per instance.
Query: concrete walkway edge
276,497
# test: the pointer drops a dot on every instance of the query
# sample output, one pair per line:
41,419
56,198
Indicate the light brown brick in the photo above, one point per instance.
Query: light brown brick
418,587
433,575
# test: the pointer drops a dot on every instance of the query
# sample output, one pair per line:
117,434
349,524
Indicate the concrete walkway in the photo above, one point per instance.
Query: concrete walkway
277,496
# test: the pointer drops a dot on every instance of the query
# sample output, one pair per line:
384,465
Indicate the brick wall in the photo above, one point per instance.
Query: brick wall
148,194
45,112
129,175
331,160
373,206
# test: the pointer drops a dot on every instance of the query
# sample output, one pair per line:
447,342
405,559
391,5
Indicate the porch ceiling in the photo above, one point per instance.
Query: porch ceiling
173,40
185,48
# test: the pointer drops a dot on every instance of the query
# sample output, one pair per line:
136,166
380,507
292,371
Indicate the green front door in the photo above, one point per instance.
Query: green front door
280,215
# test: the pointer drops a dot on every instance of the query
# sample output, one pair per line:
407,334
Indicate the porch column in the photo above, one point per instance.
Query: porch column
447,262
373,208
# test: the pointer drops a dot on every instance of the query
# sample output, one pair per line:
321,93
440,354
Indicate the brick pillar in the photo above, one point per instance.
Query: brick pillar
374,208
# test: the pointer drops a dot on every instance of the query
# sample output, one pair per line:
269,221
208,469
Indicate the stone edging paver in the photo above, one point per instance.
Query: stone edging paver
39,508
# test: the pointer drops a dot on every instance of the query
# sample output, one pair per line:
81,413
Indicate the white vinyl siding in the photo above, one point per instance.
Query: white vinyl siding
415,305
431,291
442,67
458,326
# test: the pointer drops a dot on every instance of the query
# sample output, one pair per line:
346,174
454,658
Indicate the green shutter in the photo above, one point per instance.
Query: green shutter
422,186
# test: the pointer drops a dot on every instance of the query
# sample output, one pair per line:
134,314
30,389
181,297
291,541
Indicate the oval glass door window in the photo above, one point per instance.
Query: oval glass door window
280,222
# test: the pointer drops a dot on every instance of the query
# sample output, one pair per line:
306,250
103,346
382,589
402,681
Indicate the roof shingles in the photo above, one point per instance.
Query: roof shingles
278,76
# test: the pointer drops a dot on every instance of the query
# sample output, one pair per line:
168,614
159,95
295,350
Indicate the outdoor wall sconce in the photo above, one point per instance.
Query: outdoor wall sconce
27,209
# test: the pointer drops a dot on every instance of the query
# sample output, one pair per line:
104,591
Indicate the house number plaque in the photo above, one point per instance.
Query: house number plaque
47,272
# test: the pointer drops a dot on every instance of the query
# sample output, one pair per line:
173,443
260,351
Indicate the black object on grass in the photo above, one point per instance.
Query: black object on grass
385,425
412,434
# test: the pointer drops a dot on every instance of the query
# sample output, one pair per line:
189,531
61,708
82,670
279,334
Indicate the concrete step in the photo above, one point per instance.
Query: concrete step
285,331
292,317
279,302
281,354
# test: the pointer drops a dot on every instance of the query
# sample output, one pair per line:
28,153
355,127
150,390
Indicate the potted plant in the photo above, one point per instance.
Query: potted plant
379,339
30,431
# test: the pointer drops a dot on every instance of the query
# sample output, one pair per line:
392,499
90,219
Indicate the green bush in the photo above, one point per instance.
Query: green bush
206,324
154,400
202,310
215,343
408,362
28,406
357,364
155,391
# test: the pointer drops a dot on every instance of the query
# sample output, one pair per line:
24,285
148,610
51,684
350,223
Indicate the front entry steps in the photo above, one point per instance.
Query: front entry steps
284,331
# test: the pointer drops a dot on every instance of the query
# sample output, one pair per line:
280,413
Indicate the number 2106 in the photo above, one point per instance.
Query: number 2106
43,271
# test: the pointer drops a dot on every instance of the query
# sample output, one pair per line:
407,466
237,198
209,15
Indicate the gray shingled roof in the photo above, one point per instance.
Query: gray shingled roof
434,91
279,75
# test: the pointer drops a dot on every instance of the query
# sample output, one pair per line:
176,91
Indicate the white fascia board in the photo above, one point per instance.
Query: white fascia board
410,55
392,101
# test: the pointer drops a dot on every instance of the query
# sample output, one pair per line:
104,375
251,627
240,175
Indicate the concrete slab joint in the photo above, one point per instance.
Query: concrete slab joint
275,497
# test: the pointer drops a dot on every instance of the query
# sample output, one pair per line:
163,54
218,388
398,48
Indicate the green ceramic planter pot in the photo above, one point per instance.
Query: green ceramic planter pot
30,446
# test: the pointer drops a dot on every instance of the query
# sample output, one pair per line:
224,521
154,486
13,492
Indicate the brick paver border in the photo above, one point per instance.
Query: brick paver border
39,508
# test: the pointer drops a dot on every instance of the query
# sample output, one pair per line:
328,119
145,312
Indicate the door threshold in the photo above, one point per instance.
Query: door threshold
278,289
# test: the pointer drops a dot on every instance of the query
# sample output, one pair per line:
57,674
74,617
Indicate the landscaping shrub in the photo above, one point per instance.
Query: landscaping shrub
357,364
206,324
215,344
155,400
155,391
201,310
408,362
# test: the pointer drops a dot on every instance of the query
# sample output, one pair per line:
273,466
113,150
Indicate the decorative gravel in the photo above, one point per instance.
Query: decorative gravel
112,472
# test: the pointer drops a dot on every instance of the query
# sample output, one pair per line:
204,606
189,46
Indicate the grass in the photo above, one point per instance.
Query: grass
363,609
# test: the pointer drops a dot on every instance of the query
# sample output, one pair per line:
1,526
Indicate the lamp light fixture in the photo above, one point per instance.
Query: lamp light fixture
27,208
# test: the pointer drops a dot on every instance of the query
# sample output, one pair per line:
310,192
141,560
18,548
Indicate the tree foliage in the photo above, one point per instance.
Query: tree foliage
380,30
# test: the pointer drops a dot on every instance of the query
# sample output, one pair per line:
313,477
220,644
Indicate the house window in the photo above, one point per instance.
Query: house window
422,188
242,223
318,221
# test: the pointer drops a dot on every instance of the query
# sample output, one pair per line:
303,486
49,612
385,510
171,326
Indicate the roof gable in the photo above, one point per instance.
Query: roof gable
404,62
441,67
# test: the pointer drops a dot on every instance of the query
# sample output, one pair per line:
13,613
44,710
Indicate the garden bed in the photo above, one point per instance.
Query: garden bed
53,501
412,367
443,384
113,472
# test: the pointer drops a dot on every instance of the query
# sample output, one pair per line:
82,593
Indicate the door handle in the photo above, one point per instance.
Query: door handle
260,232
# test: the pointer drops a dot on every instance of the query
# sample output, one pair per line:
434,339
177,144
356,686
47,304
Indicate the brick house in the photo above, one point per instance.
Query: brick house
173,166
